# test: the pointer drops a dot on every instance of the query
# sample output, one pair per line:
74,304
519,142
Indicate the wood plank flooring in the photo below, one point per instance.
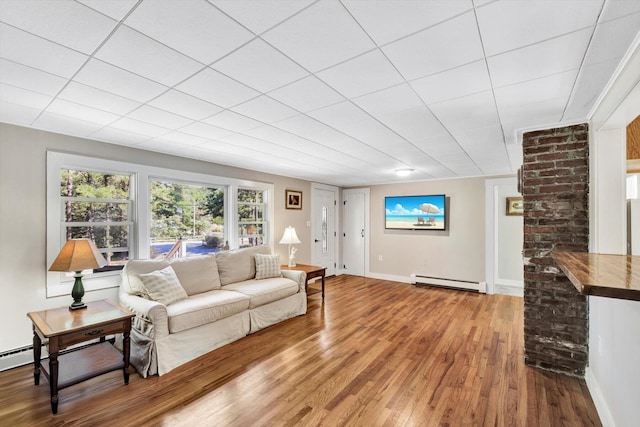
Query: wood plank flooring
375,353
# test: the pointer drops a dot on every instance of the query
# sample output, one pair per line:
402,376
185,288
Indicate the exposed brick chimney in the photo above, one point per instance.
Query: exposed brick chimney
556,217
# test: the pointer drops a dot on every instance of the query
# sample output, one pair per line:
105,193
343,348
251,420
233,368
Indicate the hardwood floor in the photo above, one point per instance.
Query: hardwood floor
375,353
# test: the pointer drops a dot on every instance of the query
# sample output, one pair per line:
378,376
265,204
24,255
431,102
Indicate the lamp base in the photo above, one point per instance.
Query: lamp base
77,305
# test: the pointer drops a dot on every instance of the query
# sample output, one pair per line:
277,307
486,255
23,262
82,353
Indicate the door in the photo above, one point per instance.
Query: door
355,231
323,227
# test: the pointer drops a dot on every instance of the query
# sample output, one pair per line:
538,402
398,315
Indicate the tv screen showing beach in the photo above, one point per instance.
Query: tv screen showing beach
415,212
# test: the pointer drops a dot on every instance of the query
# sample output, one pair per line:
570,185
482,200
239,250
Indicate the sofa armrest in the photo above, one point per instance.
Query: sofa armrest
151,316
300,277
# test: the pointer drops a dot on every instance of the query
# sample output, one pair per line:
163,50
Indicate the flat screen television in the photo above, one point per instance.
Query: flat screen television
415,212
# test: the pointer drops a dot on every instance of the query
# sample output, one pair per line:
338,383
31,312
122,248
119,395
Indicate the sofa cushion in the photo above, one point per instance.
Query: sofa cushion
205,308
265,291
238,265
163,286
131,282
267,266
197,273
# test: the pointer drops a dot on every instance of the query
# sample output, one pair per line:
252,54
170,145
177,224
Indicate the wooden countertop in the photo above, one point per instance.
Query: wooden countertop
614,276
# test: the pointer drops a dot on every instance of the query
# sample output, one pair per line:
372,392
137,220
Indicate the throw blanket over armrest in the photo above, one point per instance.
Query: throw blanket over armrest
151,316
300,277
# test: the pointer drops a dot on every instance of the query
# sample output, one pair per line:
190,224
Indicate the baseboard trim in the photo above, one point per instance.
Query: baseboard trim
18,357
508,289
598,399
390,277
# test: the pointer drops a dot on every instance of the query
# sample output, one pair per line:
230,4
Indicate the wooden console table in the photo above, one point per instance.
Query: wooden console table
605,275
61,328
312,272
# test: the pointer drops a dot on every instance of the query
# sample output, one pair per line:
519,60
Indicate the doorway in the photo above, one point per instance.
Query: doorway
324,225
355,236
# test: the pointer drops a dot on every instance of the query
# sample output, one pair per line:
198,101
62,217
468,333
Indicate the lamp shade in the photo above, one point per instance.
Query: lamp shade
289,237
78,255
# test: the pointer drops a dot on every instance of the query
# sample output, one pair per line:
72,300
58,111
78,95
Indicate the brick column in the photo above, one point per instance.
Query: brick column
556,217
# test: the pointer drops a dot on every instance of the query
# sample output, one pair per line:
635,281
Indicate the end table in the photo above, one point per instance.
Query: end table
61,327
312,272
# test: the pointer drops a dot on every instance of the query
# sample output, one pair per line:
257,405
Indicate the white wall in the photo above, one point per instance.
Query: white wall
23,217
457,253
613,374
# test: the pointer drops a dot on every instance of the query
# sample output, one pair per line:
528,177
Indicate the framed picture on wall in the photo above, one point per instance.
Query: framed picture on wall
515,206
293,199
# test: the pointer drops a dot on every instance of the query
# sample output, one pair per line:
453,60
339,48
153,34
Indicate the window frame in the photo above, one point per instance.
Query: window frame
265,214
57,284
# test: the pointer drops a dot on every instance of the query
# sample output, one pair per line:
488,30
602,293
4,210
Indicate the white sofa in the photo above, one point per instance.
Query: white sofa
223,303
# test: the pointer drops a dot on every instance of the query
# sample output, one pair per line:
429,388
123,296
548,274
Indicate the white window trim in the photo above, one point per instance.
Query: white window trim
58,285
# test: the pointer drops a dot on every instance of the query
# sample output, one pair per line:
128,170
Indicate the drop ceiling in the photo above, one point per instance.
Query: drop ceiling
339,92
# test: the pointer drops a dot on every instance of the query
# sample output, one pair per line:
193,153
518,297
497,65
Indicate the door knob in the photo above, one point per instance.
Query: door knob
316,240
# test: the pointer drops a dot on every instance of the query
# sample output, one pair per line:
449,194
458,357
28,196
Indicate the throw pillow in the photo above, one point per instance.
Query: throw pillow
163,286
267,266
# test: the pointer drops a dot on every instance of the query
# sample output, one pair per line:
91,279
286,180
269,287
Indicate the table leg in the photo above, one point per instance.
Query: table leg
37,351
125,355
323,287
53,381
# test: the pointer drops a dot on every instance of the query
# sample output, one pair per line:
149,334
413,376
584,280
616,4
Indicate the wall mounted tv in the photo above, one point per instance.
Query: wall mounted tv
415,212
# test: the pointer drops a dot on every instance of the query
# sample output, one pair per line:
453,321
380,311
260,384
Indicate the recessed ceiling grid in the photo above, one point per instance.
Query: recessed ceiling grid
336,91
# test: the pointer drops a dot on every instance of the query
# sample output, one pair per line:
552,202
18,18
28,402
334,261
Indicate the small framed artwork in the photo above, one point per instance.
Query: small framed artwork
515,206
293,199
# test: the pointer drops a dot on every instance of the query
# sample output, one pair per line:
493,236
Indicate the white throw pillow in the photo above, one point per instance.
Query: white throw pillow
267,266
163,286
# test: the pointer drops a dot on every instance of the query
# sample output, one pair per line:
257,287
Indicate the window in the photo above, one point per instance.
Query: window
130,209
252,223
97,206
186,219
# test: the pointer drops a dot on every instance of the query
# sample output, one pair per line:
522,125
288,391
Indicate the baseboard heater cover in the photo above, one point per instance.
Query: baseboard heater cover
418,279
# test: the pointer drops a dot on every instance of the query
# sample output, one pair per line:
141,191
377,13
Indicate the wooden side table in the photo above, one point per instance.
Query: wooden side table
61,327
312,272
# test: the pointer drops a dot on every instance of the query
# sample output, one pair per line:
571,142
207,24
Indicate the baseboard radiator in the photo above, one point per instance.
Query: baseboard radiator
418,279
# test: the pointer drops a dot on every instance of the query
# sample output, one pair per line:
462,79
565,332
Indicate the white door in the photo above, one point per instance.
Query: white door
323,227
355,231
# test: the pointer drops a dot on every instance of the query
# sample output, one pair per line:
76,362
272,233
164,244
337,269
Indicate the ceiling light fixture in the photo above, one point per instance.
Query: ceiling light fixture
403,172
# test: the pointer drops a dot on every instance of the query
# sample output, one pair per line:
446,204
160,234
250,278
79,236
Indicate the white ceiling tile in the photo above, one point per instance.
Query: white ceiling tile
365,74
612,39
534,114
23,97
260,66
112,79
307,94
204,130
27,49
215,87
461,81
29,78
448,45
261,15
233,121
619,8
66,125
507,25
119,136
96,98
159,117
265,109
68,23
440,145
409,16
388,101
591,81
315,38
138,127
414,124
185,105
539,60
17,114
195,28
180,139
142,55
340,114
480,137
476,110
87,114
114,9
555,86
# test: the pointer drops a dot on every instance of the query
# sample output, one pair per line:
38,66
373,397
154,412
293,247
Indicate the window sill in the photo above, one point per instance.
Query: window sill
604,275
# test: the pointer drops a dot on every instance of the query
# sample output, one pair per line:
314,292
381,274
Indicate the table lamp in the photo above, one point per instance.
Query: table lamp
290,238
77,255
